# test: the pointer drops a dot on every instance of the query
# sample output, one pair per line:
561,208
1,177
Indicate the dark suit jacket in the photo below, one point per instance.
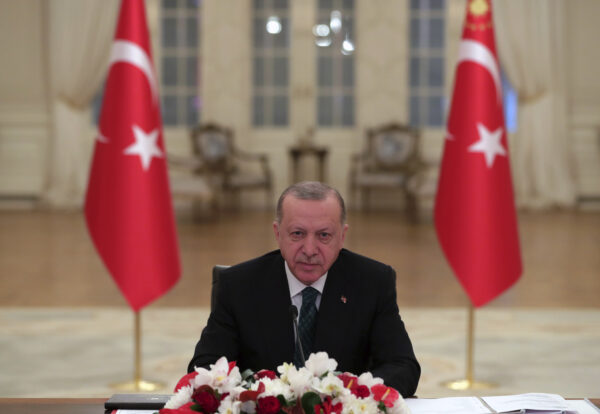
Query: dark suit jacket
252,324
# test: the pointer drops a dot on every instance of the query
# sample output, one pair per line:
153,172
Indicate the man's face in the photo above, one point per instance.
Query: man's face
310,236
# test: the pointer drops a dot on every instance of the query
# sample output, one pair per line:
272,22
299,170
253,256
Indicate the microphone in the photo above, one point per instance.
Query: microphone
294,312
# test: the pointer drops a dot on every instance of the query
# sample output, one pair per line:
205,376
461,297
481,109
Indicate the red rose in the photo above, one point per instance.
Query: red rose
206,399
207,402
265,373
361,391
268,405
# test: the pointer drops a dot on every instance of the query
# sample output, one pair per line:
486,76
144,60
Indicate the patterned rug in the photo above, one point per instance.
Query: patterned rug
79,352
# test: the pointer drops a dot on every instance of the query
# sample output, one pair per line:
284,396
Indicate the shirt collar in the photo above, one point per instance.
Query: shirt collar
297,286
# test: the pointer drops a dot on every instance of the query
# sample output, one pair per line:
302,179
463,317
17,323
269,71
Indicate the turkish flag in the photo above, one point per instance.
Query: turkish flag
128,203
475,215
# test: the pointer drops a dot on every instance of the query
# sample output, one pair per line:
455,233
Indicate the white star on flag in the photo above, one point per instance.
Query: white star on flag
488,144
144,146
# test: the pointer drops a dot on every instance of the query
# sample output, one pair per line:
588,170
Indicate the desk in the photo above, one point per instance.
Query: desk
52,405
73,405
299,151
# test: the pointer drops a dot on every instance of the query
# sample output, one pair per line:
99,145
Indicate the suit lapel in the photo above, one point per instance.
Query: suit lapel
332,310
273,306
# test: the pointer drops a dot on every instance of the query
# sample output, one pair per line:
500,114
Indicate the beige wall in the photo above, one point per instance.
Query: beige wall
584,94
23,109
23,67
381,86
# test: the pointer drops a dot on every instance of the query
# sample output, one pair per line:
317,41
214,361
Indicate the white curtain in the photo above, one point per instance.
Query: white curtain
530,36
79,38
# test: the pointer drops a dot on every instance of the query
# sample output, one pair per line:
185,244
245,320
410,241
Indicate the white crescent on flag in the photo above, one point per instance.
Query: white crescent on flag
129,52
477,52
101,138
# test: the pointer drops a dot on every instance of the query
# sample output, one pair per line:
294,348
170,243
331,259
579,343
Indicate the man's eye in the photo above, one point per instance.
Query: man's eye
325,236
296,235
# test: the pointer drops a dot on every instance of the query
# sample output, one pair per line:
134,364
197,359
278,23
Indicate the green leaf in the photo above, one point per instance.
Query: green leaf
283,401
248,375
196,407
309,400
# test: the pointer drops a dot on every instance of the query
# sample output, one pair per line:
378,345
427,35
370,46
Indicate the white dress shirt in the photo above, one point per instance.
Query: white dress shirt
297,286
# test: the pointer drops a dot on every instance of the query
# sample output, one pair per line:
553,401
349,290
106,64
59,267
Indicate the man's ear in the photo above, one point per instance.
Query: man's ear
344,230
276,229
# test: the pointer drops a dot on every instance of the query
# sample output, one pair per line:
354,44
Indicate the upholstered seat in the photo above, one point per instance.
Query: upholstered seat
189,186
228,169
391,160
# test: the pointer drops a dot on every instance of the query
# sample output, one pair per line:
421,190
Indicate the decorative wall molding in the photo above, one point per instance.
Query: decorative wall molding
24,132
585,139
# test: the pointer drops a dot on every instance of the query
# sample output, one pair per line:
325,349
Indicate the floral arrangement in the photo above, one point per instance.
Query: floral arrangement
316,388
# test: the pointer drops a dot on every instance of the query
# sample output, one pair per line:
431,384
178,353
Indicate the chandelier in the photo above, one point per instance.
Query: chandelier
332,34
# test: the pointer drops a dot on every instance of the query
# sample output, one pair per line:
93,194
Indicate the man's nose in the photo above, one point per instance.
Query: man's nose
310,246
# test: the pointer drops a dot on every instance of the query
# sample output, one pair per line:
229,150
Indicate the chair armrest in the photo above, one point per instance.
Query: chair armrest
361,161
249,156
357,165
262,158
358,159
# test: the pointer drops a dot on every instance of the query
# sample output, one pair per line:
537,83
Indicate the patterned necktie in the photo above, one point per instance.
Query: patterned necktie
306,324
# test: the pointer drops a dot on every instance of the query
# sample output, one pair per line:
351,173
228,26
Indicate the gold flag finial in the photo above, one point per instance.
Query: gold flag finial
478,7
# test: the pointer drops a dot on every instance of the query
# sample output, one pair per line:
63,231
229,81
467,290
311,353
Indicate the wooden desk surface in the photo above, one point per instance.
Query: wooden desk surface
73,405
52,405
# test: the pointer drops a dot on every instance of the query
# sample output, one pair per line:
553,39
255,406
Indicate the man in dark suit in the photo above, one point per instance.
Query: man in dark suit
349,310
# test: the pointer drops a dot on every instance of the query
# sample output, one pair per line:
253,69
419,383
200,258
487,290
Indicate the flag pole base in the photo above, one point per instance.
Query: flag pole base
138,385
466,384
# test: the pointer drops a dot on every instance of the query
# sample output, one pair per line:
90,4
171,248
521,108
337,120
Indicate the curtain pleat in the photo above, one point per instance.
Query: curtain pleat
530,37
80,35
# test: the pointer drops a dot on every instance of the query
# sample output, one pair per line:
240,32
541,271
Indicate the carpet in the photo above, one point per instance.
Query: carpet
80,352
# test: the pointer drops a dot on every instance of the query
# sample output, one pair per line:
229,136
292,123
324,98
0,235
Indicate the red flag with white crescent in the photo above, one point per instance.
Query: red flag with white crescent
475,215
128,203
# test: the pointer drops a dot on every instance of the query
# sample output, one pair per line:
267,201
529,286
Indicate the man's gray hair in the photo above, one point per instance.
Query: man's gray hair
311,190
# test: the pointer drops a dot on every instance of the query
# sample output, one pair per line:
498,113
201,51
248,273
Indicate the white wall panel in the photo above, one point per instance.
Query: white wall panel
23,145
585,136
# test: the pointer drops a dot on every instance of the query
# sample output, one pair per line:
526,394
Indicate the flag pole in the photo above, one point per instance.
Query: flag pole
137,366
470,335
138,384
469,383
130,145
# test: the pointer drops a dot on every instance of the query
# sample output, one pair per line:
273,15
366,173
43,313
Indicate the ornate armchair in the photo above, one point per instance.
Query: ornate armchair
229,170
391,160
187,185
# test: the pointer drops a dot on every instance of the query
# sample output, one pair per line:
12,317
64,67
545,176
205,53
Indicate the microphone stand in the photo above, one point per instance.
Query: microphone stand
294,312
